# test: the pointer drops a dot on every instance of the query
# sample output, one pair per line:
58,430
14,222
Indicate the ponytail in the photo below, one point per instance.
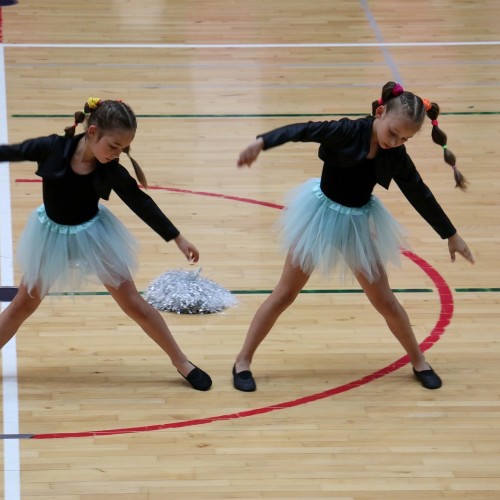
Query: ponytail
389,91
439,137
91,105
79,118
139,173
415,109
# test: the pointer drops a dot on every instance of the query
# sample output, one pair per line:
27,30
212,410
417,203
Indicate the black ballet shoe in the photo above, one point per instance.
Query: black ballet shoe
428,378
244,381
198,379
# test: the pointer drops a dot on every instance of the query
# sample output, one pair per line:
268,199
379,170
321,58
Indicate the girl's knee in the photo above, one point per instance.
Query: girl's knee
28,298
284,297
388,306
23,305
136,307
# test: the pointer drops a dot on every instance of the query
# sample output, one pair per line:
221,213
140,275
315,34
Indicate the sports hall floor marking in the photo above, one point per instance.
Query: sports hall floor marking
244,45
10,404
445,315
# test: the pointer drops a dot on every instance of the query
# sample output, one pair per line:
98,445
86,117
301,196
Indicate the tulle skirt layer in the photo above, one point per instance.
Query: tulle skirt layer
338,240
65,258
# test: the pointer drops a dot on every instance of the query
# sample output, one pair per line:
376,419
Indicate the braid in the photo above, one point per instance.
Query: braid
79,118
440,138
414,108
138,170
393,95
110,115
385,96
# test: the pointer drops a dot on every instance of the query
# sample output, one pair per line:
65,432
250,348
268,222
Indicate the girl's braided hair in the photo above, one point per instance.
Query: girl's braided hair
415,109
107,116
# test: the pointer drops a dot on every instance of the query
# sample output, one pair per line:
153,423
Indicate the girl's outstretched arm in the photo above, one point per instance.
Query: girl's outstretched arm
187,248
250,153
457,245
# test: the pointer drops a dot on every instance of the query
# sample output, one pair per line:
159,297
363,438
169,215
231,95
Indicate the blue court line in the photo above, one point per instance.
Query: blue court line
380,40
16,436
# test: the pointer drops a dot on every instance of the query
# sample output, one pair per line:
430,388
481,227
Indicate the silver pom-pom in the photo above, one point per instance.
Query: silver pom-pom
187,292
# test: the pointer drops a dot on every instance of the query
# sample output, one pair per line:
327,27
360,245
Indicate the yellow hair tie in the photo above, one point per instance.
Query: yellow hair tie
93,103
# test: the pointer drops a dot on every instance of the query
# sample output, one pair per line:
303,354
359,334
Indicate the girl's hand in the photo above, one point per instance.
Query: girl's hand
188,249
250,153
457,244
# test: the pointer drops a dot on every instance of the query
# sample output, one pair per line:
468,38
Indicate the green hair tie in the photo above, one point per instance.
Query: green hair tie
445,146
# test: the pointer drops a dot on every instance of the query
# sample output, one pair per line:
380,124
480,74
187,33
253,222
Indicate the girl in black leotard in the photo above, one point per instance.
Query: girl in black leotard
337,225
71,237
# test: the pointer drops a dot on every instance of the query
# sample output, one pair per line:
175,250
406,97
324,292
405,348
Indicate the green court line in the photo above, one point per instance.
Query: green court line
338,290
261,292
311,291
317,291
251,115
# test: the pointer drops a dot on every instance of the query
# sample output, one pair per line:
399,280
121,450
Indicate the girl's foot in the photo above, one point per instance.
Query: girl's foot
244,381
198,379
428,378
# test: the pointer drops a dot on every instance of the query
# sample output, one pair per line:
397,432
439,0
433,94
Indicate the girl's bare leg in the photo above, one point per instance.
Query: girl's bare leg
383,299
151,321
23,305
292,281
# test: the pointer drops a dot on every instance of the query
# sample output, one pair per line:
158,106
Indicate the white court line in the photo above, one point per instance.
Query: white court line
240,45
10,404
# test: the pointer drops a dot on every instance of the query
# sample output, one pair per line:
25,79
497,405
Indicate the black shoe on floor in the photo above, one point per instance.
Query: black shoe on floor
198,379
244,381
428,378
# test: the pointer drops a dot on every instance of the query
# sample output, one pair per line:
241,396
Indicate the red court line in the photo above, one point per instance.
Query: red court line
216,195
199,193
445,315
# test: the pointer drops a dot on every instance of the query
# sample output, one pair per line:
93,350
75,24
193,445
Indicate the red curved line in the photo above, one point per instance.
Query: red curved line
200,193
446,312
446,300
217,195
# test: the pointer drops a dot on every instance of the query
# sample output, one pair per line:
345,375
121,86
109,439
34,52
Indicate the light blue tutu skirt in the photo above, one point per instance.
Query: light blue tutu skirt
63,258
338,240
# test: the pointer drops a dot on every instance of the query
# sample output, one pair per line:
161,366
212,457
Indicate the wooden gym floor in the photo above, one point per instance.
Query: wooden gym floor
92,409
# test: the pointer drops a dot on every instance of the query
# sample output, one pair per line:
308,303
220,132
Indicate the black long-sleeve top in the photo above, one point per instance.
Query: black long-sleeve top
349,178
72,199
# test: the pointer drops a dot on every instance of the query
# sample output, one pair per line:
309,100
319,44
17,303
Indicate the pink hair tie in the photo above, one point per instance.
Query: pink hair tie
380,101
435,123
397,90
